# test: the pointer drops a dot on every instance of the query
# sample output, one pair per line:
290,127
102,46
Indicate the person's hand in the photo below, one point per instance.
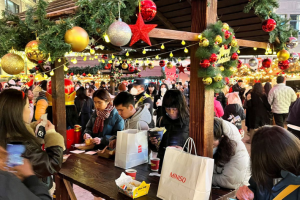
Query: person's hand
112,144
86,136
49,126
244,193
153,140
23,171
97,140
38,121
249,97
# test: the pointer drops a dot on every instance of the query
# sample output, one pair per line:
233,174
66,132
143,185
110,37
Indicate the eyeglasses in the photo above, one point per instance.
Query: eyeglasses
171,109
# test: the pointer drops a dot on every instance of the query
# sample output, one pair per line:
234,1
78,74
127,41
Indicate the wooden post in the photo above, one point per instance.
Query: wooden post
58,99
112,87
204,12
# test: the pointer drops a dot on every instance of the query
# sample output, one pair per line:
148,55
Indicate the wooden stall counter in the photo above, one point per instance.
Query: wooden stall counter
98,176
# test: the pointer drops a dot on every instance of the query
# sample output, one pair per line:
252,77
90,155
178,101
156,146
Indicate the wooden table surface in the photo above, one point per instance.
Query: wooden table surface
98,176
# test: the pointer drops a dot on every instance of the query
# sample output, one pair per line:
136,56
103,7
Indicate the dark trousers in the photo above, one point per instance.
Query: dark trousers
295,132
280,119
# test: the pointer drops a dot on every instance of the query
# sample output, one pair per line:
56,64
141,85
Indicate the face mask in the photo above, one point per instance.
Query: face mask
215,150
76,88
133,91
163,90
87,86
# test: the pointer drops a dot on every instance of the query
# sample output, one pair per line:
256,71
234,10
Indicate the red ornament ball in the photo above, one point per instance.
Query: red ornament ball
148,10
188,67
266,63
225,46
227,34
283,65
240,63
83,74
213,58
269,25
131,69
162,63
106,67
109,66
104,57
72,74
139,76
235,56
204,63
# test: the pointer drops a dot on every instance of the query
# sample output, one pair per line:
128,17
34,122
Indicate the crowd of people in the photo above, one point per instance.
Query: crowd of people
275,150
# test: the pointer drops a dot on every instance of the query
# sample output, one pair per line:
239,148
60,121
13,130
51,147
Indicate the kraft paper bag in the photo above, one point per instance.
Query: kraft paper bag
185,176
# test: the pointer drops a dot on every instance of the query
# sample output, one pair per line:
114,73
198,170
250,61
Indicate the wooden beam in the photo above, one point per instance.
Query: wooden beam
58,99
165,21
201,100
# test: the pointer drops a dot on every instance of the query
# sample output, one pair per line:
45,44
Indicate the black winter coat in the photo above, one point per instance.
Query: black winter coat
86,109
236,110
222,99
177,132
259,111
159,109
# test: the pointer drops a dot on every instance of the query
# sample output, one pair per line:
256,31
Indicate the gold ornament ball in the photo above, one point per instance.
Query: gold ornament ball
205,42
225,26
207,81
283,55
33,53
12,63
218,78
222,68
78,38
150,66
169,65
218,39
124,66
234,43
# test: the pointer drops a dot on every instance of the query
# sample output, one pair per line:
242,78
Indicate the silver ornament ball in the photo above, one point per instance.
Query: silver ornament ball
253,62
119,33
294,57
292,42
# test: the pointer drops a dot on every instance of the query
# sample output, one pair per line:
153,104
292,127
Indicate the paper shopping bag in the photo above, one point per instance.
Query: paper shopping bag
185,176
131,148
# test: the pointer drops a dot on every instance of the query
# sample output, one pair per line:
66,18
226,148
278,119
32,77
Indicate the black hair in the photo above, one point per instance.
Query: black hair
81,94
267,88
43,85
258,89
280,79
93,82
103,83
124,99
240,81
102,94
129,87
154,91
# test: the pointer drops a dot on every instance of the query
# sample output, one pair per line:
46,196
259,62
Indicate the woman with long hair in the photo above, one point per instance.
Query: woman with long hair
175,119
105,122
89,90
14,117
151,90
275,165
84,106
267,88
232,161
158,99
258,108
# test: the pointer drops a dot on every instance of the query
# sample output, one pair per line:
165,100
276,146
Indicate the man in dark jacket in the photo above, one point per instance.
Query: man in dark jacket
238,88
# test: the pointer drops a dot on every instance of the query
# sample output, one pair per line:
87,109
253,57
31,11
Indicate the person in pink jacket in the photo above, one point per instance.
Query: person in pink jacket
219,112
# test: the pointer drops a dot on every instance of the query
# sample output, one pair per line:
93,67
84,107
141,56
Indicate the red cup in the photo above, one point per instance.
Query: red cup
155,164
131,172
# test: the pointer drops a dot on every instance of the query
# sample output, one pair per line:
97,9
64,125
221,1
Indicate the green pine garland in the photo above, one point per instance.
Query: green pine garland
264,9
205,53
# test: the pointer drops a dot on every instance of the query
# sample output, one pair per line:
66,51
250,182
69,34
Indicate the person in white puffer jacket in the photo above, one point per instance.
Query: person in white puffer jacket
232,161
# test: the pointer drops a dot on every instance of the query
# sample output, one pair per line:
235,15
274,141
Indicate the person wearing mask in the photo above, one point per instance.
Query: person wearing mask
159,99
84,106
142,98
267,88
105,122
77,86
232,161
14,115
151,90
21,183
238,88
134,118
175,119
280,98
258,108
293,120
89,90
275,154
234,111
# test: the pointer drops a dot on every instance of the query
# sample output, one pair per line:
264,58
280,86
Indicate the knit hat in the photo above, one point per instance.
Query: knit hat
122,87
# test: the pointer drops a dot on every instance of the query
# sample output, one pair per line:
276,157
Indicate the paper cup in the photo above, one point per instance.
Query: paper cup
131,172
155,164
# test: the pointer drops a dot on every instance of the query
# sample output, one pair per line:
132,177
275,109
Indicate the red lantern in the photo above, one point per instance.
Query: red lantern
204,63
235,56
213,58
283,65
227,34
269,25
139,76
131,69
148,10
72,74
162,63
240,63
69,86
188,67
83,74
266,63
104,57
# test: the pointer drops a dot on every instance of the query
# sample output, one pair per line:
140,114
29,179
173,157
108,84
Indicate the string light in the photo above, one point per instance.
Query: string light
136,61
96,57
52,73
157,57
254,48
92,51
103,61
128,61
84,59
162,46
274,53
238,51
183,42
110,61
200,36
144,51
179,60
106,38
45,76
66,68
186,50
171,55
112,56
127,53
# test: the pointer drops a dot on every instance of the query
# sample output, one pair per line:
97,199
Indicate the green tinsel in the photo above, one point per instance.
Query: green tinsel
264,9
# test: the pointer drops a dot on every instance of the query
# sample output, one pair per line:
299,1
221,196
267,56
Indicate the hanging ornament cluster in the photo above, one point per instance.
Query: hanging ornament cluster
269,25
148,10
119,33
78,38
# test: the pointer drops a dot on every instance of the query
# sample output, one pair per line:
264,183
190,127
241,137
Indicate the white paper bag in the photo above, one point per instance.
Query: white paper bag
131,149
185,176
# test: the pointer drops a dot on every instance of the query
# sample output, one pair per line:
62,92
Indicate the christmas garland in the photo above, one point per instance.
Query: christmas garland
217,54
264,9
